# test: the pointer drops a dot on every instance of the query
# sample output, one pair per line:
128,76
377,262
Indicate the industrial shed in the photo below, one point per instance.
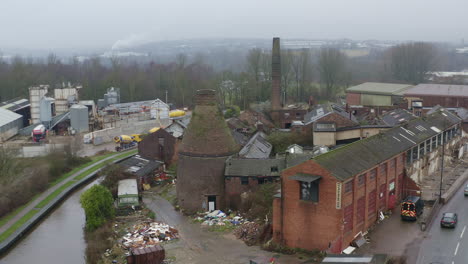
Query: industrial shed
10,124
376,94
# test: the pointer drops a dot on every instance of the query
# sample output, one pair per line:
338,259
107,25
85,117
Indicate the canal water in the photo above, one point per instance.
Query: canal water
57,239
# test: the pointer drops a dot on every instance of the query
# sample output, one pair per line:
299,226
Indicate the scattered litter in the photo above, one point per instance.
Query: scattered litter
218,217
147,234
248,232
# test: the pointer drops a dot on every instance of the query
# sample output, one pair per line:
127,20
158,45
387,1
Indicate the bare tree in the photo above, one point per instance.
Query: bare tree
331,66
410,62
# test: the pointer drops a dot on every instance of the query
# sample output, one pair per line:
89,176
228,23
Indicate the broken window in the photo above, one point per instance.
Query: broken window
439,139
408,157
310,191
421,150
392,163
244,180
349,186
428,146
415,154
161,141
372,174
274,169
434,143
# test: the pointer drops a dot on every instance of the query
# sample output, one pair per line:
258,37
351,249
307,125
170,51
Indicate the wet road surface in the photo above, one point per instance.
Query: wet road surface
445,245
201,246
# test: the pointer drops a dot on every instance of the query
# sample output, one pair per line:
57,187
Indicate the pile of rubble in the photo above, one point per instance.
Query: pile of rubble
218,217
248,232
148,233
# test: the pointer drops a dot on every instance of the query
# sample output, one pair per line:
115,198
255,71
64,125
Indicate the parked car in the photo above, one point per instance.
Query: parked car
449,220
466,190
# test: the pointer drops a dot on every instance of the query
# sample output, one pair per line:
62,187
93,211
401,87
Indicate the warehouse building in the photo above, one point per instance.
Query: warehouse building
10,124
326,202
376,94
20,106
426,96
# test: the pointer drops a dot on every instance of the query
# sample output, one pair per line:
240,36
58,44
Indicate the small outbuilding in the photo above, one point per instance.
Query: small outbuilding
10,123
128,193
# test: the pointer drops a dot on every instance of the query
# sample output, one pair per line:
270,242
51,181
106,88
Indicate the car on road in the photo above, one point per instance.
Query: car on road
449,220
466,190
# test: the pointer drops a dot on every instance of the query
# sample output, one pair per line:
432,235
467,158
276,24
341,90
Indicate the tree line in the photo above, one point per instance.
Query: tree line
305,73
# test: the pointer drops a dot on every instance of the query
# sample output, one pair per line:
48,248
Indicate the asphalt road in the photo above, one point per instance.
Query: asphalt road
444,245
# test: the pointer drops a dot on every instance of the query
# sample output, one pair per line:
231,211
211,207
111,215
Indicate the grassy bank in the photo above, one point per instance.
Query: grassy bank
54,194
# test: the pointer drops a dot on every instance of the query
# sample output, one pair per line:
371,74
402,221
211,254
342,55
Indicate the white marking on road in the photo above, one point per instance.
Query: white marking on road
463,232
456,249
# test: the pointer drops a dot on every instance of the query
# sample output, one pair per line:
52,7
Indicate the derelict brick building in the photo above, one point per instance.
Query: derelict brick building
206,145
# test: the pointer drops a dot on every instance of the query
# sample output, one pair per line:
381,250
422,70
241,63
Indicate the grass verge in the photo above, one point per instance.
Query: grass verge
54,194
18,224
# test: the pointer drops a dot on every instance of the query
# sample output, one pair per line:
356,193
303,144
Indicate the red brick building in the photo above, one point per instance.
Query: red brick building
327,201
160,145
445,95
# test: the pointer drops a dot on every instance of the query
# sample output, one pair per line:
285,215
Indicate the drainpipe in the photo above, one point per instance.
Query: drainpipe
282,201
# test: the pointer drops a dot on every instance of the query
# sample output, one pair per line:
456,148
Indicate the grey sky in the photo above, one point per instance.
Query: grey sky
50,24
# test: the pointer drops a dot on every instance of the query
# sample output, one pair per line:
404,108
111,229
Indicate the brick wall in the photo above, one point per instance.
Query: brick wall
307,224
234,188
150,147
353,99
332,229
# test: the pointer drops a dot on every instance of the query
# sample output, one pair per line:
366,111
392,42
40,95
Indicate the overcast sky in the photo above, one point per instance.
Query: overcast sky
73,24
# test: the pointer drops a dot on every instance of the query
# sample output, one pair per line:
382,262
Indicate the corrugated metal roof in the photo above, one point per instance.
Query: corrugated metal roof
325,109
128,186
7,116
257,147
397,116
438,90
362,155
379,88
15,104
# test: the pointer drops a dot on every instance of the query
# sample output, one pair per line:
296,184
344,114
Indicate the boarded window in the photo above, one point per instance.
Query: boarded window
348,218
310,191
244,180
361,209
361,179
349,186
383,170
372,202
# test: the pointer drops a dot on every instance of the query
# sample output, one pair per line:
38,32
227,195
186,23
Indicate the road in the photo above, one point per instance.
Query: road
443,245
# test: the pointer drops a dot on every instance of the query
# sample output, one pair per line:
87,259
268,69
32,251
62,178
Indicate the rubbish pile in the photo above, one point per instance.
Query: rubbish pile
218,217
147,234
248,232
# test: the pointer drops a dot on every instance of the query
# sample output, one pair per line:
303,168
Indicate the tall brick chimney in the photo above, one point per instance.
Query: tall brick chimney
276,75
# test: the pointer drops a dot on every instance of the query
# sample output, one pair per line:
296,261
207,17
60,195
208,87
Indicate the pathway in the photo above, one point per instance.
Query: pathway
46,193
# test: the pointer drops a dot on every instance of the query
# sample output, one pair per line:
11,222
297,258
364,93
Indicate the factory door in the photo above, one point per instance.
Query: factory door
211,202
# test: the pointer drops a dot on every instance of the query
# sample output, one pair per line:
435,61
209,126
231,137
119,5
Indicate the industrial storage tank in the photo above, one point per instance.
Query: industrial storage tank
46,110
79,118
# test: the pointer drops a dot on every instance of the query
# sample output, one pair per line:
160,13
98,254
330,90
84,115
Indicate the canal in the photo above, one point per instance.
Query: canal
57,239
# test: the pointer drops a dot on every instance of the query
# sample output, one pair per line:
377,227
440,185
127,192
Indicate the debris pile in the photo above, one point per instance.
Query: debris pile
148,233
248,232
218,217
